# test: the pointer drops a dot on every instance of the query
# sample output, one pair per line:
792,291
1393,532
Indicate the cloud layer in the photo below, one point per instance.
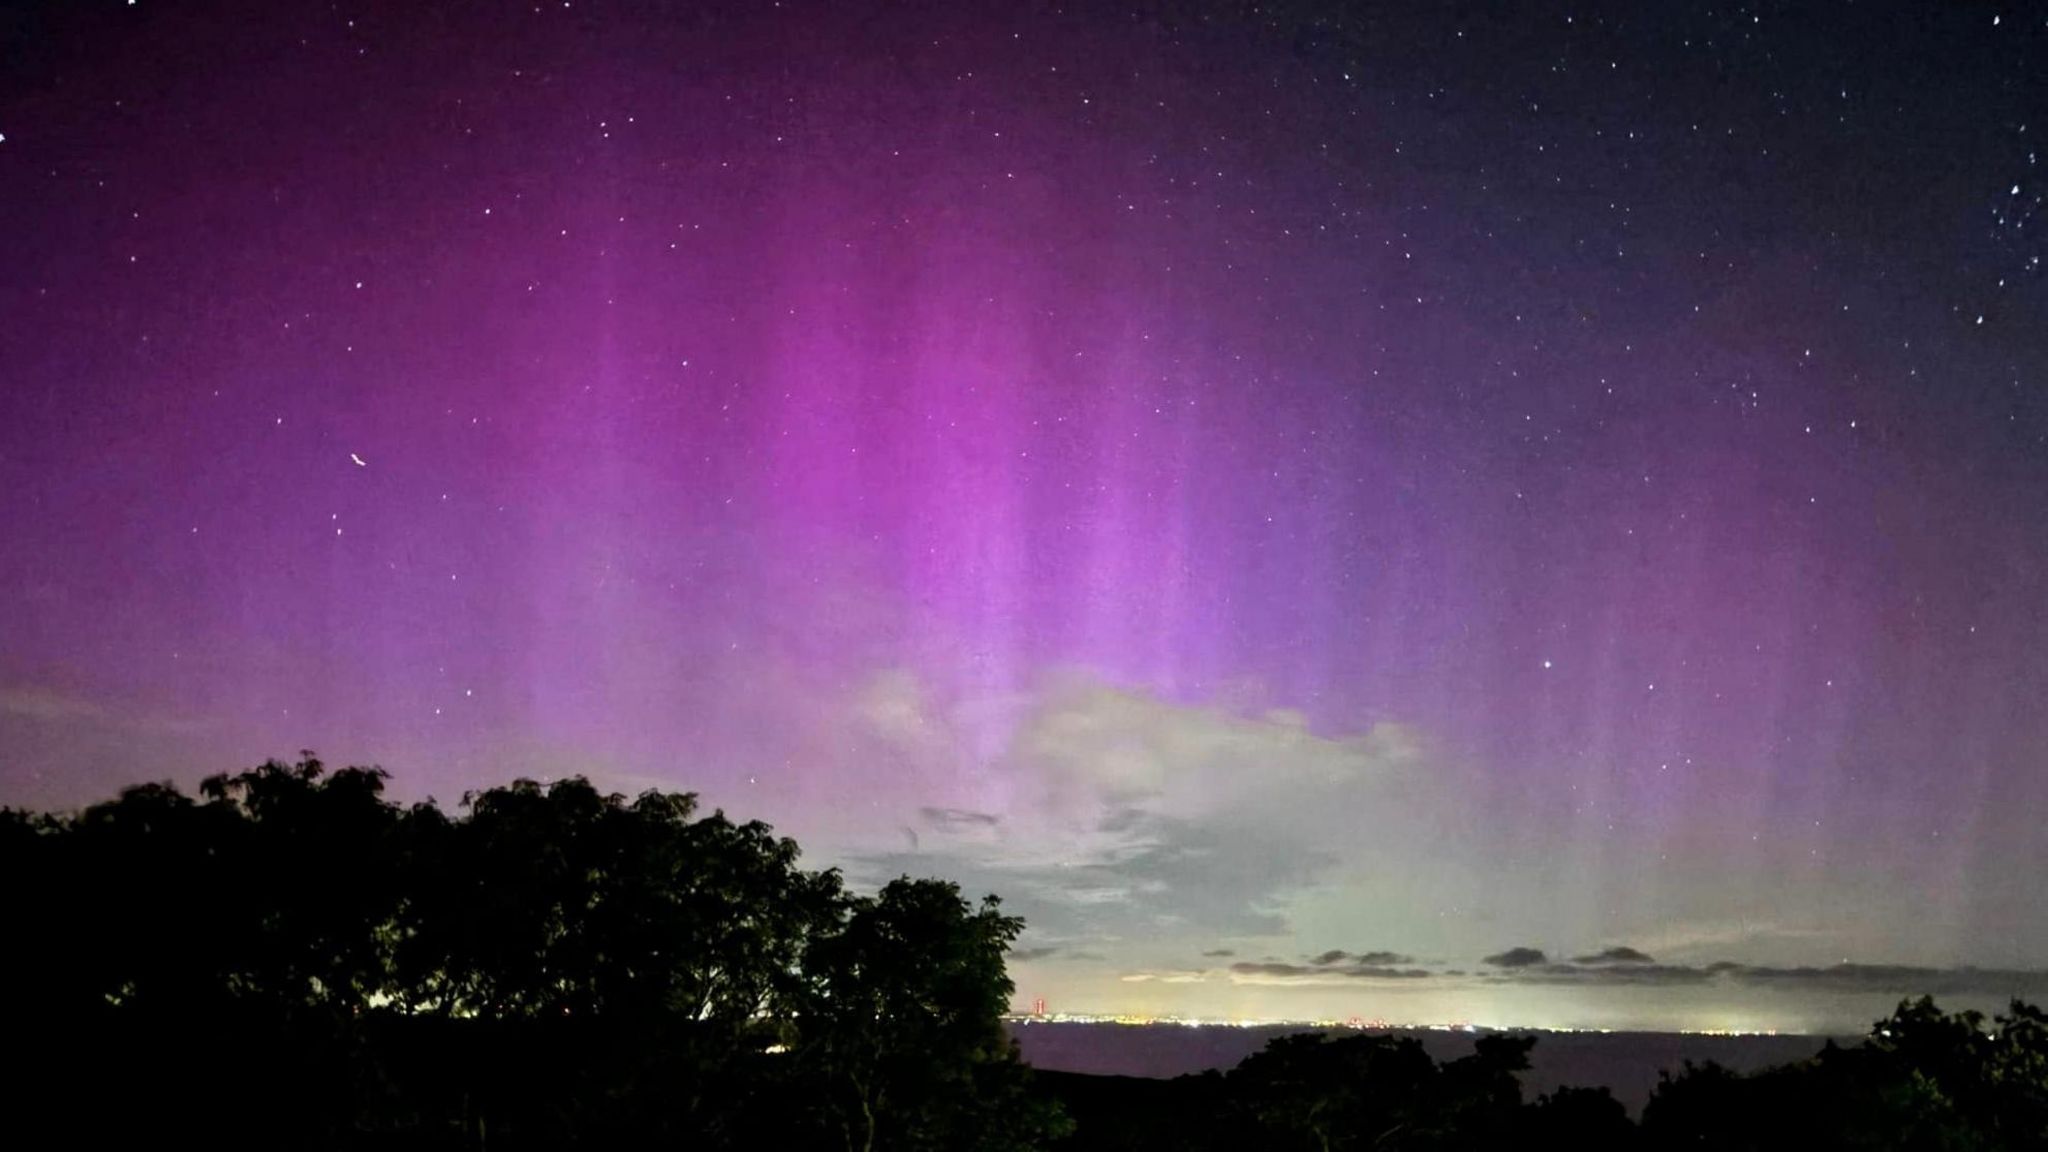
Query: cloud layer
1622,966
1106,813
1134,831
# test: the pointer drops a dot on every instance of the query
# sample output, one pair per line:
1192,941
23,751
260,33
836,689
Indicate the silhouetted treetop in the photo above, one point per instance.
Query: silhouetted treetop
550,965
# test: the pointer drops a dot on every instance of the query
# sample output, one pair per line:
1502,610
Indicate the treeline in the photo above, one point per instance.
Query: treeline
291,960
1922,1080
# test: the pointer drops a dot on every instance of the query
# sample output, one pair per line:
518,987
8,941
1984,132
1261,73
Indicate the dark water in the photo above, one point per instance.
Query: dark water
1626,1063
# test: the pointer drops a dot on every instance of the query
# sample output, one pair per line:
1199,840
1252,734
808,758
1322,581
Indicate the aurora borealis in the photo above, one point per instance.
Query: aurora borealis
1240,482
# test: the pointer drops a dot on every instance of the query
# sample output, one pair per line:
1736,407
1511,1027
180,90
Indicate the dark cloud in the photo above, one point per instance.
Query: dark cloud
1285,971
1649,974
1362,959
1899,979
1272,968
1618,955
1603,974
1603,969
1218,952
1031,953
953,818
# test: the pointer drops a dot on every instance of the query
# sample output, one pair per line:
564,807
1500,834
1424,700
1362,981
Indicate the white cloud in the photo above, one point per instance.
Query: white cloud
1113,812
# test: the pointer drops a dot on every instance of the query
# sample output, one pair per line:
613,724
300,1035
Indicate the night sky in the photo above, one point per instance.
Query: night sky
1430,483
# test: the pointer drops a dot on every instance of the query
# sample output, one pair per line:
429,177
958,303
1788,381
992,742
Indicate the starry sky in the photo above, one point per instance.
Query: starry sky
1523,513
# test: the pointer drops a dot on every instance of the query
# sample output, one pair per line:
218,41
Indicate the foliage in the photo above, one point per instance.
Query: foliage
291,960
901,1024
1313,1091
1921,1080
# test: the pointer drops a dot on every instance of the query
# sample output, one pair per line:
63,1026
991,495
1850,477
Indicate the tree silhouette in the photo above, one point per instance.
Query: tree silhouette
1314,1091
551,966
1586,1119
1922,1080
899,1025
